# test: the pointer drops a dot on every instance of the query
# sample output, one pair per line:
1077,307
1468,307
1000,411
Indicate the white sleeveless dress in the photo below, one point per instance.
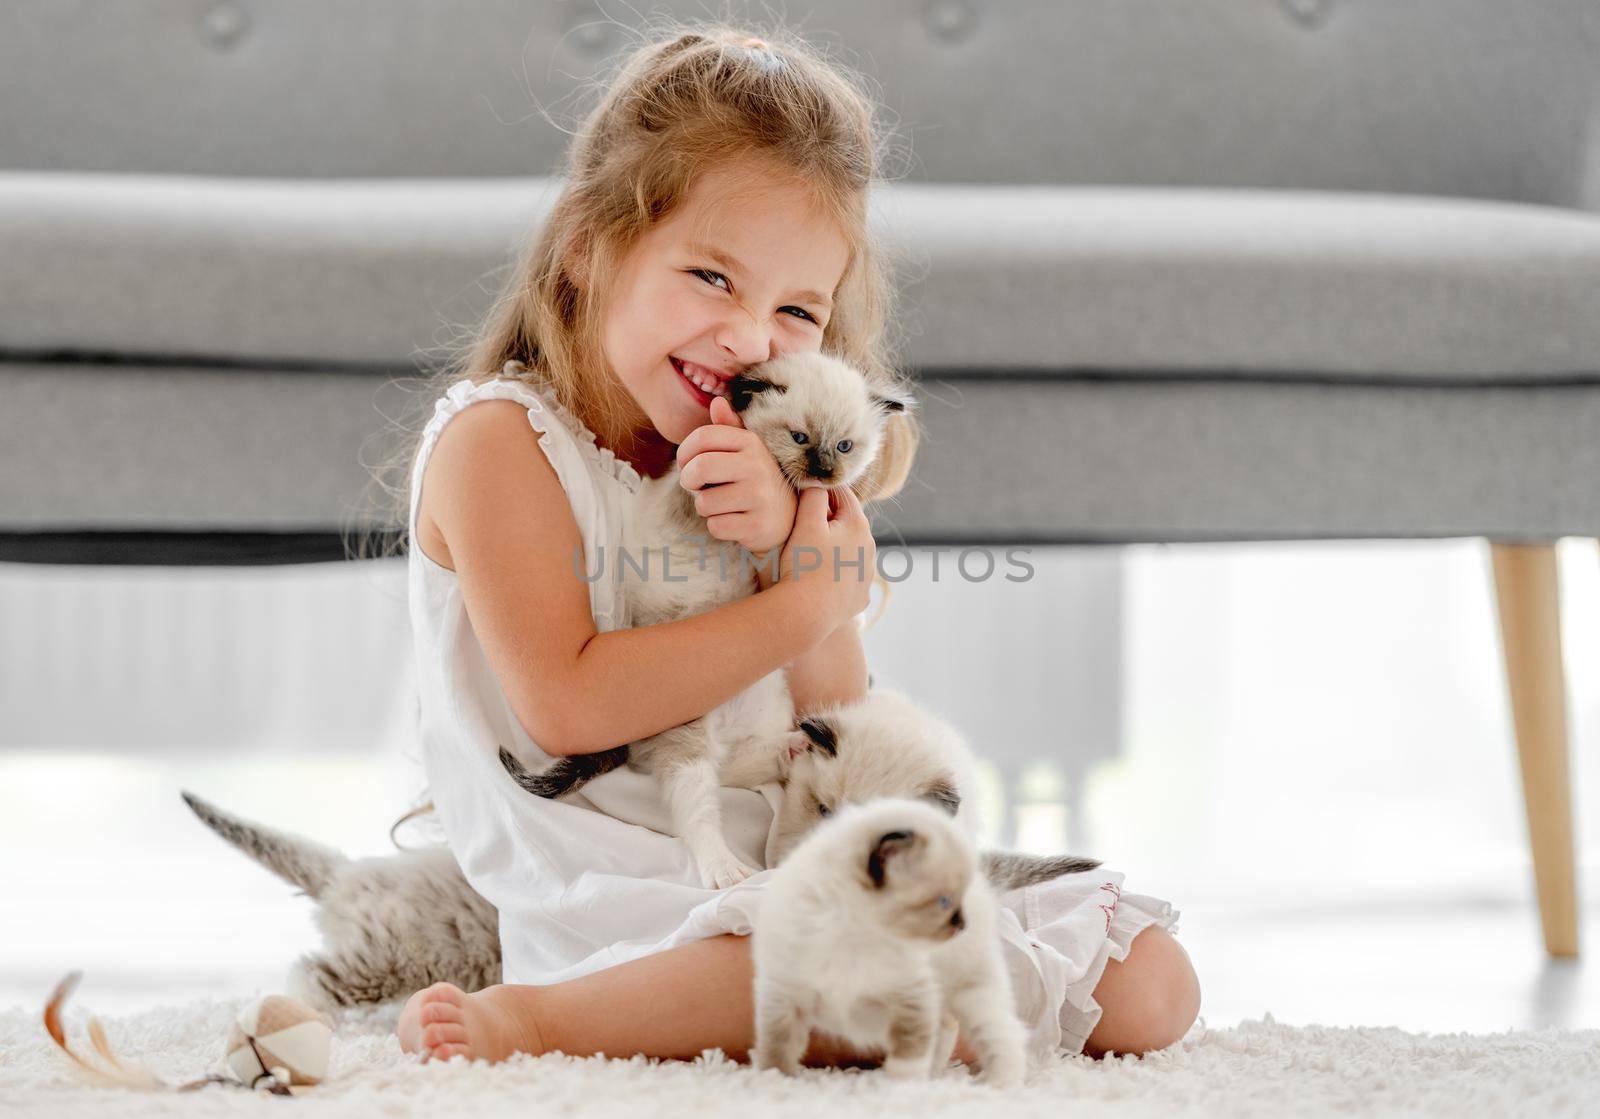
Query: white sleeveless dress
595,879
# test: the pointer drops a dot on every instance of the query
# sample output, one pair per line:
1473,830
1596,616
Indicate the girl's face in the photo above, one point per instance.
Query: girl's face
737,275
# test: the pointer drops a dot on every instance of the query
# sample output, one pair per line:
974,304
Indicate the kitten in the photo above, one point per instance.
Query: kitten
880,929
823,424
888,746
392,925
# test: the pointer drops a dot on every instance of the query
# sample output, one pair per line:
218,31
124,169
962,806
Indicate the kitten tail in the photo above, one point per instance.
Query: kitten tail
300,862
1009,870
565,775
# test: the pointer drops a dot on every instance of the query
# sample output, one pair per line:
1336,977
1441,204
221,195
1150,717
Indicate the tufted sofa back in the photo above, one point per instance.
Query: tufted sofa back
1477,98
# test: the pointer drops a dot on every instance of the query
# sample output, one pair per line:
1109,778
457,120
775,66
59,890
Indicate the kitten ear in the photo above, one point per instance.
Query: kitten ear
822,736
892,403
743,387
944,794
887,847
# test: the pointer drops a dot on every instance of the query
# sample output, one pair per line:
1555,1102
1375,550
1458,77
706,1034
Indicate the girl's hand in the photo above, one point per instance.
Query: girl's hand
738,487
833,556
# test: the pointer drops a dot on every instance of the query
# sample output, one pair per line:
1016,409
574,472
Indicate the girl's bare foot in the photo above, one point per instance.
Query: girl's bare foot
443,1021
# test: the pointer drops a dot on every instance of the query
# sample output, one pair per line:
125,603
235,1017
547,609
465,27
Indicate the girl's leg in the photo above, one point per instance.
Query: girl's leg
676,1003
701,996
1148,1000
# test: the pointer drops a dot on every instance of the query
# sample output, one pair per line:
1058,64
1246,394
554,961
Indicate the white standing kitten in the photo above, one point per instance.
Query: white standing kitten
823,425
880,929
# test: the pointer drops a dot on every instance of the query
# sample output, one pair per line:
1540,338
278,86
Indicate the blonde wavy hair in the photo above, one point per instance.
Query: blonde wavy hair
682,102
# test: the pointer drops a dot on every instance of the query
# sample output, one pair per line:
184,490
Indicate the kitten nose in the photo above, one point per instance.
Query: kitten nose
957,921
818,465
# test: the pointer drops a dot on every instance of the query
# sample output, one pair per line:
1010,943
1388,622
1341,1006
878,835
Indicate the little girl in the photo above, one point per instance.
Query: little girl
714,215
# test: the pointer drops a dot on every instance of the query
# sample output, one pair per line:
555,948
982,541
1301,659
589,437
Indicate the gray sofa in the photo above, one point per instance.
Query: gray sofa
1173,272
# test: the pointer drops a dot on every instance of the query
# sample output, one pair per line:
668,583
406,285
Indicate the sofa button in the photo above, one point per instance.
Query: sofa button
950,20
224,25
589,31
1308,12
590,38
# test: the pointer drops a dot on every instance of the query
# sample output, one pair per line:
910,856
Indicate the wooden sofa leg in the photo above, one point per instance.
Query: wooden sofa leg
1526,587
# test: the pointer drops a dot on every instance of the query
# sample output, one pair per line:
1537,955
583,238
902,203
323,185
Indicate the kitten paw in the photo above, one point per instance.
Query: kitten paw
763,1060
1004,1072
906,1068
944,1046
722,871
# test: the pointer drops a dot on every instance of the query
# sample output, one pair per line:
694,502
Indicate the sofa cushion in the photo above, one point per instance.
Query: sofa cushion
1142,282
252,450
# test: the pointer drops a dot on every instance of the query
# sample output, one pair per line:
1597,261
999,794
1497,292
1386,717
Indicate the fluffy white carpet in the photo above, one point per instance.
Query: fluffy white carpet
1258,1068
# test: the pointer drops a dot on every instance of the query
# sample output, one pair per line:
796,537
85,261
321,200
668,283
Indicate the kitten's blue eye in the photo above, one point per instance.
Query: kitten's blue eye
824,810
843,446
800,437
944,901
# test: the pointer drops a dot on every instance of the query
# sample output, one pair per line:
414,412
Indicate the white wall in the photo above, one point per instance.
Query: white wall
1309,716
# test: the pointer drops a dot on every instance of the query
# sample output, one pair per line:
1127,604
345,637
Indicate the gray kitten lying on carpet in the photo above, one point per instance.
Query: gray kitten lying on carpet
390,925
395,924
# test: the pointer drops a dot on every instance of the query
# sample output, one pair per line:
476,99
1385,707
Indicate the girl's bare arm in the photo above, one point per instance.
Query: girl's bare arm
517,552
833,671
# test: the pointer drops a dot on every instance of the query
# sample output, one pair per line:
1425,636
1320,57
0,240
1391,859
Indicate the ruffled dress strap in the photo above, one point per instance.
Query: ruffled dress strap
582,466
621,470
572,434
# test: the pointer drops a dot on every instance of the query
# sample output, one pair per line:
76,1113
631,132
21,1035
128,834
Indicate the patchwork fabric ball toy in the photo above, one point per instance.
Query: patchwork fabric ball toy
277,1044
279,1038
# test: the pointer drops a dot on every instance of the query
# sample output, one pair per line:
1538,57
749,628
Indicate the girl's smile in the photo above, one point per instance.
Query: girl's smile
702,382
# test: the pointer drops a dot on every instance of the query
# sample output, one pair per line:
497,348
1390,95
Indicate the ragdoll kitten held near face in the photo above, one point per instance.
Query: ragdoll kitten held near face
397,924
880,930
823,425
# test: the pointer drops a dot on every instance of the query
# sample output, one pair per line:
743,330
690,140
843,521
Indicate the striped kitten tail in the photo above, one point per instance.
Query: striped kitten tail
1009,870
300,862
567,774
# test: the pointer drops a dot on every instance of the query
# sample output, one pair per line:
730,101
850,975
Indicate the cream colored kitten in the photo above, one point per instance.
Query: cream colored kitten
880,929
